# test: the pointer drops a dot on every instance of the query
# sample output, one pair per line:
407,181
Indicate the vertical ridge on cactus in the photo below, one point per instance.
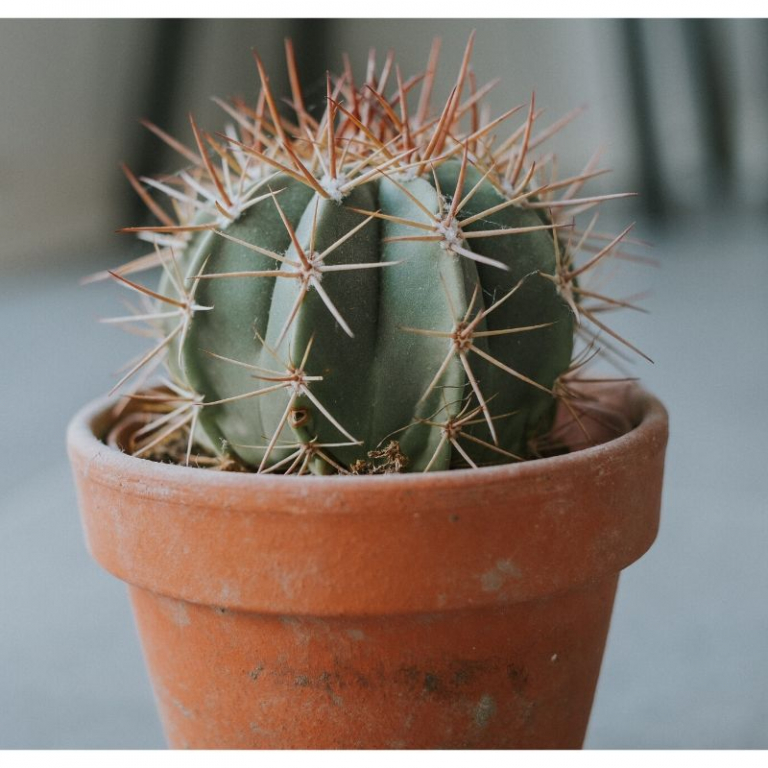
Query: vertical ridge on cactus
389,272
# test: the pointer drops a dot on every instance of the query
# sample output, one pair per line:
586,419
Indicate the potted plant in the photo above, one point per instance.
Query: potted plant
376,501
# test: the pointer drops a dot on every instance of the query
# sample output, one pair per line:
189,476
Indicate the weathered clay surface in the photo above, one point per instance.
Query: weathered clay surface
518,676
454,609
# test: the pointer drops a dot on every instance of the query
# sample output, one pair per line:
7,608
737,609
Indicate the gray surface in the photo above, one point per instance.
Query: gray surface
686,663
686,659
71,672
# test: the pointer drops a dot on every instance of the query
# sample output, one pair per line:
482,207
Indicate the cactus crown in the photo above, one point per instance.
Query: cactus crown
386,288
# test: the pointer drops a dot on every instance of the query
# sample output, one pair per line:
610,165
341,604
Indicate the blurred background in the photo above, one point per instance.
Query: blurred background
680,108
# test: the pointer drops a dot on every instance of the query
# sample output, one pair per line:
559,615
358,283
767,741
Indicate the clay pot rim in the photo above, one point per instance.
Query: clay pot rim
365,545
648,417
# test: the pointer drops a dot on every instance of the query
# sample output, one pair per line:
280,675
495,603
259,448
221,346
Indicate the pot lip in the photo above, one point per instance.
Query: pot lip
647,415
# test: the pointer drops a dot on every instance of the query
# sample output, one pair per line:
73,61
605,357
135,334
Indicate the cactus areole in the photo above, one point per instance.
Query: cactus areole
387,286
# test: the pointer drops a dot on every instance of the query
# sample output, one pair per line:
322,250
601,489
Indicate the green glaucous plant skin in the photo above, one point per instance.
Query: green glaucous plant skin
382,374
385,281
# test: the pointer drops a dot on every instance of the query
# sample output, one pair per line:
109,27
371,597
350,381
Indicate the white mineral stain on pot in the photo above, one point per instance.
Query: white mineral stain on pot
175,610
494,579
184,711
485,710
179,613
229,593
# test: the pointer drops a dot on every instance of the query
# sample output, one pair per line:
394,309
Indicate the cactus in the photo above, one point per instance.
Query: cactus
385,283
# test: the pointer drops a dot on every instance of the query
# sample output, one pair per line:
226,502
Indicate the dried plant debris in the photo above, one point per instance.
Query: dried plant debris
386,461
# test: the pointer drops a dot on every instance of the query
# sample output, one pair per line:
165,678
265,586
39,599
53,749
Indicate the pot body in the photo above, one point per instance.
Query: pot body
517,676
463,609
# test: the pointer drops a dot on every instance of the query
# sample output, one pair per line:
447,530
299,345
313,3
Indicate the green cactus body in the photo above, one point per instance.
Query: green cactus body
384,288
378,383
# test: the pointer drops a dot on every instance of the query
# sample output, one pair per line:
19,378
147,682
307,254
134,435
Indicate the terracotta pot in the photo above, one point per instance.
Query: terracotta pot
455,609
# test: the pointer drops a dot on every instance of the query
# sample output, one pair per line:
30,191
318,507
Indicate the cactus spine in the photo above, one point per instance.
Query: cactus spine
380,275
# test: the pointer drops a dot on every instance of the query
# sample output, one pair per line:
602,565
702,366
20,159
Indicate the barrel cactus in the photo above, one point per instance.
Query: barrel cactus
385,287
